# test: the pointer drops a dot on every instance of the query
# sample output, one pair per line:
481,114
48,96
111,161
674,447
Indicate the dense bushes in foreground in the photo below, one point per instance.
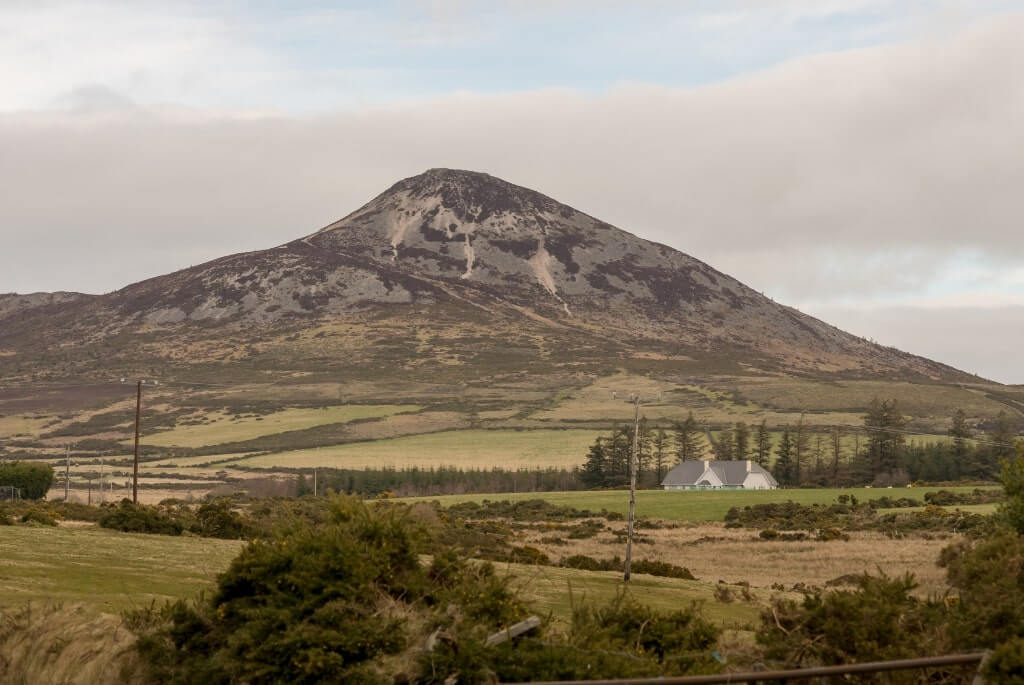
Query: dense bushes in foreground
351,601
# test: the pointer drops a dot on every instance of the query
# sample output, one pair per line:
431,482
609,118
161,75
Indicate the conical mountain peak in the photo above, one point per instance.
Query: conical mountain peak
465,241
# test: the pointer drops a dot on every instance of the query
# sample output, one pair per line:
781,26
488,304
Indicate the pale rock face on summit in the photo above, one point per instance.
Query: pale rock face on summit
469,240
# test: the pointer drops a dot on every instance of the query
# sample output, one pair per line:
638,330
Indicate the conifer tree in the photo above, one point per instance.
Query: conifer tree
688,439
836,437
741,441
593,473
763,444
801,445
660,451
725,444
783,470
886,444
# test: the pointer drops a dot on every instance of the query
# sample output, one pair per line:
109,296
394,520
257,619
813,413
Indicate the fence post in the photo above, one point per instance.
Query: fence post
979,676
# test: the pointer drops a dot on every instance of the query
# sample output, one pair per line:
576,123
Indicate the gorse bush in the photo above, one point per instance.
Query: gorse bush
661,569
520,510
217,519
623,639
879,620
140,518
38,517
351,601
947,498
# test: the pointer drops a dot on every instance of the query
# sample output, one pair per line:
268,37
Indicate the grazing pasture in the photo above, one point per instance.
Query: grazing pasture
467,449
109,571
693,505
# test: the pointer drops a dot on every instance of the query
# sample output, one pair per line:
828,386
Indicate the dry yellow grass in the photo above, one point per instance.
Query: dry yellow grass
14,426
713,552
71,645
479,449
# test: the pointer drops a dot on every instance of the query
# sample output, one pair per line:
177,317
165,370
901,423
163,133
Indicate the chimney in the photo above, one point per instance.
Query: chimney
748,466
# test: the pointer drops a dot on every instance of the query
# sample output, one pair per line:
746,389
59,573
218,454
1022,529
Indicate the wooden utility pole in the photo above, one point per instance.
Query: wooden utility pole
135,466
67,472
632,486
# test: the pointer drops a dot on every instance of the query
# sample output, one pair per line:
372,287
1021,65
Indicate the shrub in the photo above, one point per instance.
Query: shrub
38,517
662,569
139,518
946,498
33,478
1006,663
216,519
879,620
622,640
585,563
520,510
351,601
989,576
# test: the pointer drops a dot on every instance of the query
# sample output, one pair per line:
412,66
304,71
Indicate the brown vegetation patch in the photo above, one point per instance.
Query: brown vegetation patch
713,552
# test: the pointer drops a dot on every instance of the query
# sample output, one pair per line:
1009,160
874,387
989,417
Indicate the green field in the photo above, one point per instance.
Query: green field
468,449
693,505
107,570
221,427
110,571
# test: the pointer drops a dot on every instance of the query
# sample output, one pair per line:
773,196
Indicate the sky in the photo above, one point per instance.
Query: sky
857,159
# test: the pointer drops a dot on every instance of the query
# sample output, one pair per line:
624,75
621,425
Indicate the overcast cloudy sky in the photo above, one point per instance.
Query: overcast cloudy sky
860,159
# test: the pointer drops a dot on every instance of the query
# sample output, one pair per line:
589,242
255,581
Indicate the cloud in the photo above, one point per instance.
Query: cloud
985,341
871,177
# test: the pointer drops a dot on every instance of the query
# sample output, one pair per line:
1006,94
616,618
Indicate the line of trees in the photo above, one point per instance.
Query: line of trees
805,455
660,448
442,480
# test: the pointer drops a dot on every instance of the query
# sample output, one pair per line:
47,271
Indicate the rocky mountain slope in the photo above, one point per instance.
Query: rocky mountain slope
448,264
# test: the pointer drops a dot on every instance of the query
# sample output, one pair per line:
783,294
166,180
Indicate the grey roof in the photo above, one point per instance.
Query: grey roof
729,472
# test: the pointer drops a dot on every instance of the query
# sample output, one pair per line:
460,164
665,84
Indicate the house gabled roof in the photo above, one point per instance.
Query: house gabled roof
729,472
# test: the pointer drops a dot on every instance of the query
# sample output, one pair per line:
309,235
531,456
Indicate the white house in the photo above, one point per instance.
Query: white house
720,475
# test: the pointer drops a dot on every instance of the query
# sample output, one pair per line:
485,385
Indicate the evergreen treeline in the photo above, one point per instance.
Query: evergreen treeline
443,480
805,455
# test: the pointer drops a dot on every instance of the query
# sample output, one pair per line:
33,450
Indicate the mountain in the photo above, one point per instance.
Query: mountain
445,269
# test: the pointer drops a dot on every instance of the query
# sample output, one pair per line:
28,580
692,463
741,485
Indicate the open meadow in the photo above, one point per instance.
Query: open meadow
106,570
467,449
692,505
110,571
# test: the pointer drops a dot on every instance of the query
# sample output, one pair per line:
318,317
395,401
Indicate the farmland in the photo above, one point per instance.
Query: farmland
110,571
465,449
201,440
694,505
106,570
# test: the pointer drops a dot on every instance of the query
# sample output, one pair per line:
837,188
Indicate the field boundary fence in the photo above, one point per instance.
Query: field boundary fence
820,673
9,493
